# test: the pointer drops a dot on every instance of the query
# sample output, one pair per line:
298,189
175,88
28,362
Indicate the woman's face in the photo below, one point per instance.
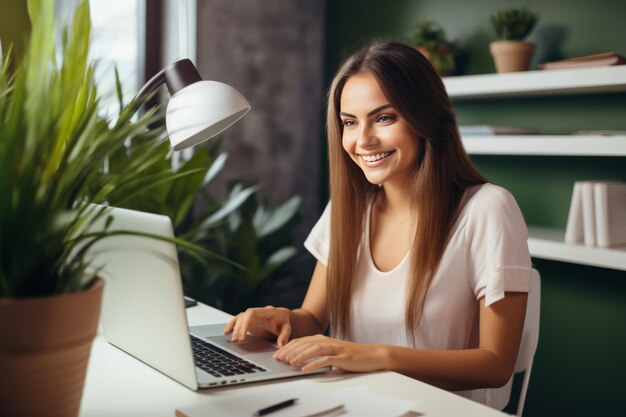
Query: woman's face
375,136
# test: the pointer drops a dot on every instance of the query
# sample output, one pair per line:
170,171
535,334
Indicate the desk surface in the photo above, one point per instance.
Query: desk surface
120,385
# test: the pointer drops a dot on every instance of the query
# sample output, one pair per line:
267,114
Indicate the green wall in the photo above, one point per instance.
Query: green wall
579,367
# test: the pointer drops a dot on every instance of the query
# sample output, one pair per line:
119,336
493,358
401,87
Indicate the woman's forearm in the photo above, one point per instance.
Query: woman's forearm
453,370
488,366
303,323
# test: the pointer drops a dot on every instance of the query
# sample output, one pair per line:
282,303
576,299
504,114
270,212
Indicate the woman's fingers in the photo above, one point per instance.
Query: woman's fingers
230,325
253,320
283,336
238,320
318,363
263,322
296,346
308,352
314,352
244,323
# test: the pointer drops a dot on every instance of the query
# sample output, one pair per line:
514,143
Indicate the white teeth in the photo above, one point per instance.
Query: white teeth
372,158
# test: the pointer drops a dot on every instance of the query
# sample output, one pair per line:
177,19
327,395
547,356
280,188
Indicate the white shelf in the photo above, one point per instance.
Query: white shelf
546,145
544,242
548,244
536,83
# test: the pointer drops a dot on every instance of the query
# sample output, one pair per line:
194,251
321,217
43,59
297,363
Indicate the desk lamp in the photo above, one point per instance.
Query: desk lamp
197,110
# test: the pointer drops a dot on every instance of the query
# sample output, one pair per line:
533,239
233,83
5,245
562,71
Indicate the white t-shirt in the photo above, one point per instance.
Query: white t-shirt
486,256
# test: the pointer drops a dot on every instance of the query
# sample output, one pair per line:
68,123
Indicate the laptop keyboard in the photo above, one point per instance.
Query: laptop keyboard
219,362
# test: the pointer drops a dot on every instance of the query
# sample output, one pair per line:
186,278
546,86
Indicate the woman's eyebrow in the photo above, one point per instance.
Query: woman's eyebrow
376,110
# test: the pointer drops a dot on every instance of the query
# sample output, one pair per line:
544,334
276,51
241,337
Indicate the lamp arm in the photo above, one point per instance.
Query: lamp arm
178,75
151,86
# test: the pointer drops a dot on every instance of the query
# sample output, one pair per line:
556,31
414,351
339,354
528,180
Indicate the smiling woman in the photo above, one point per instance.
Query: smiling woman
374,135
423,266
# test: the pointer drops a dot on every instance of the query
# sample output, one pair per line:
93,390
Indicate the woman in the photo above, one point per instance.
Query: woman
423,267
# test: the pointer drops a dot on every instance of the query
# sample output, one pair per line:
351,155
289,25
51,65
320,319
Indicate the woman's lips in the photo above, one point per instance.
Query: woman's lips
375,160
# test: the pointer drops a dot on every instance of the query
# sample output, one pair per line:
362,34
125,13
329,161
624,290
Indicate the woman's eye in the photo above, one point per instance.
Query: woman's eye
347,123
386,118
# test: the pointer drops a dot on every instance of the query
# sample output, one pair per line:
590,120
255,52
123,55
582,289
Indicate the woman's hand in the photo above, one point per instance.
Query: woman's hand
266,322
344,355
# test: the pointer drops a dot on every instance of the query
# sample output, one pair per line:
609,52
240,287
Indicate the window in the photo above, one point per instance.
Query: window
116,39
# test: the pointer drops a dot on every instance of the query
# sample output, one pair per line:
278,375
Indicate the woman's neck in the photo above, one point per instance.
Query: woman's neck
396,198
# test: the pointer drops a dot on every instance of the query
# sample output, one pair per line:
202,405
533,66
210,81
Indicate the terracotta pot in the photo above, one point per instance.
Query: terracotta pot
512,56
44,349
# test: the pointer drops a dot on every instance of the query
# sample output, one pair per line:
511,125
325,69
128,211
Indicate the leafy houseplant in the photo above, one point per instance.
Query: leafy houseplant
54,146
430,39
237,227
255,237
512,26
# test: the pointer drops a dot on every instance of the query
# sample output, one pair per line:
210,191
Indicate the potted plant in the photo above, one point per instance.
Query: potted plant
236,227
511,53
54,147
430,39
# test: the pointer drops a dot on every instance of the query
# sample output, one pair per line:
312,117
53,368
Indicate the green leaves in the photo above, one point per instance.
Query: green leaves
256,238
514,23
57,152
237,197
267,222
431,40
430,35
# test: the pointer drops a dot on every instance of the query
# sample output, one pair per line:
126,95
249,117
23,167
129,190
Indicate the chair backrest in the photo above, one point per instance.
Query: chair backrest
528,346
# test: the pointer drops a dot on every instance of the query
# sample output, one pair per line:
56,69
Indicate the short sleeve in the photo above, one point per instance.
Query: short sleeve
497,240
318,241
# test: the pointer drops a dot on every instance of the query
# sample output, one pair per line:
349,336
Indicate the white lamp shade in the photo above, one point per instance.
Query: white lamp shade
201,111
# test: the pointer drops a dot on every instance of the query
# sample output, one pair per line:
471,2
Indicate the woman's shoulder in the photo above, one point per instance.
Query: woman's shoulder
492,212
490,197
489,204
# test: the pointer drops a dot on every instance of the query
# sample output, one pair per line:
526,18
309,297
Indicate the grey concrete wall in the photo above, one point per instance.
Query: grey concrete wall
271,51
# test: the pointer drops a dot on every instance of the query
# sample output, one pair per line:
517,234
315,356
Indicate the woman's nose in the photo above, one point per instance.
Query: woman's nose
367,136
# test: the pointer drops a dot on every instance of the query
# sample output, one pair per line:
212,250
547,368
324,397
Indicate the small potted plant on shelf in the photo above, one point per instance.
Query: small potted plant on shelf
54,145
511,53
430,39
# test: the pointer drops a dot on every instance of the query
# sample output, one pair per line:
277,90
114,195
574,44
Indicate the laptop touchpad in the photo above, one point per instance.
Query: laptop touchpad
247,346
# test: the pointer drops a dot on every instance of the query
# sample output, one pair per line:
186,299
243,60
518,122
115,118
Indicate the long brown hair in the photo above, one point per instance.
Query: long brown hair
441,175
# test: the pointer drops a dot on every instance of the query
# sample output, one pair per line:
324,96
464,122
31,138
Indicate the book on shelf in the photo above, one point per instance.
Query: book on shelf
574,229
490,130
597,214
589,215
598,60
610,211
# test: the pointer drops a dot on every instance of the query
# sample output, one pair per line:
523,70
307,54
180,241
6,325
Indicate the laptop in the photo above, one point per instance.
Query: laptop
143,311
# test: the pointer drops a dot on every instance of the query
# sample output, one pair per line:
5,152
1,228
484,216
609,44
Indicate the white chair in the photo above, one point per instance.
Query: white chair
528,346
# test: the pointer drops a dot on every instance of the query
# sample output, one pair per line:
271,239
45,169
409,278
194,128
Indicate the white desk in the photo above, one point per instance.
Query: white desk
120,385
